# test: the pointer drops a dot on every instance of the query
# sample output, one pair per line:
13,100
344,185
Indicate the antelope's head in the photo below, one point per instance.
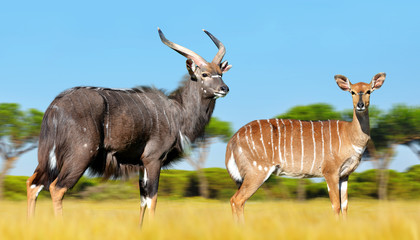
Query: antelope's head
207,74
360,91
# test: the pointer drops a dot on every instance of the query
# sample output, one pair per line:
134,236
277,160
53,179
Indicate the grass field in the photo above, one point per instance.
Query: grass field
203,219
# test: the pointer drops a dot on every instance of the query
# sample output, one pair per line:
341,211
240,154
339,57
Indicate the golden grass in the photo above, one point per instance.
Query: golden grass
203,219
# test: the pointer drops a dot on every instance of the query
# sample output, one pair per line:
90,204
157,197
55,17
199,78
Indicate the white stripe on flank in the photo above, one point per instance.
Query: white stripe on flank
233,169
262,139
272,143
329,127
339,139
53,158
313,140
279,132
301,144
291,143
252,140
284,143
247,140
323,146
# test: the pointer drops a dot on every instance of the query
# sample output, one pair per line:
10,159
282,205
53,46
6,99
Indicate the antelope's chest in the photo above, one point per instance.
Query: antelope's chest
352,161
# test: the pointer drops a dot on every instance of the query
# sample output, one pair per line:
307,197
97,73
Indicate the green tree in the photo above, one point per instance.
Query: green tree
19,133
400,126
216,129
317,111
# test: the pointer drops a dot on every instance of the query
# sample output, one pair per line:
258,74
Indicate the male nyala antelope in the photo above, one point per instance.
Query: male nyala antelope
331,149
113,131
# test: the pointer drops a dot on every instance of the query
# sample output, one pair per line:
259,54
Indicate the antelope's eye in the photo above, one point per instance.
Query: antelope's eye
368,92
353,93
204,75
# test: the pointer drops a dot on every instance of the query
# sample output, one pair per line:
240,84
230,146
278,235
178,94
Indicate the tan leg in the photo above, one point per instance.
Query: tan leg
344,196
32,192
247,189
57,195
333,191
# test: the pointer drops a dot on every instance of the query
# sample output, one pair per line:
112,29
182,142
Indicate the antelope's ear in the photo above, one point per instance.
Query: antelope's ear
224,66
191,67
378,80
343,82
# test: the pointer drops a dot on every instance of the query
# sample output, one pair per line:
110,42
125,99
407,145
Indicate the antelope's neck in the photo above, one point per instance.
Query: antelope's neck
196,111
360,130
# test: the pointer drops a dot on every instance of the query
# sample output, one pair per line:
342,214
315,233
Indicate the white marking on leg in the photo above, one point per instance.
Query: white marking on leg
328,187
33,186
262,139
339,139
301,143
313,140
53,158
146,201
343,194
344,205
233,169
39,190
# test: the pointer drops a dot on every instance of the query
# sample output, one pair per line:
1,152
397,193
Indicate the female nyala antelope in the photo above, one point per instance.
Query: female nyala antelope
331,149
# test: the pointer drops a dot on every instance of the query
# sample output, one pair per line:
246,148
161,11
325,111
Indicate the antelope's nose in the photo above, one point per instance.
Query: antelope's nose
224,89
360,105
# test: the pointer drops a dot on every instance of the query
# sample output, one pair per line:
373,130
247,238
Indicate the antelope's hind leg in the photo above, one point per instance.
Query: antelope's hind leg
249,186
32,192
149,183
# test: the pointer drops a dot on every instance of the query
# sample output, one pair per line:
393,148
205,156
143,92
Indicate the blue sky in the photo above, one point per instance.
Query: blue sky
284,53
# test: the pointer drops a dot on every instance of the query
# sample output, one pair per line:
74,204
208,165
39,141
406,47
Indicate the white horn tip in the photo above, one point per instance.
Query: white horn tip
158,28
203,30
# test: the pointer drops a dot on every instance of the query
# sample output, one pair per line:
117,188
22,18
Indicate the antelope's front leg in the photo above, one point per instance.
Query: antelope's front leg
148,183
334,192
343,195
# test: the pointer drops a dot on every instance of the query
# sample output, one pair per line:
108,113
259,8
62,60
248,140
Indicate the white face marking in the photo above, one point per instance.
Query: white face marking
301,143
313,141
233,169
216,76
53,159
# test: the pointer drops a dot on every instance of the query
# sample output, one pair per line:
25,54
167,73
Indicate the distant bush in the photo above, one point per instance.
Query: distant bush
181,183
